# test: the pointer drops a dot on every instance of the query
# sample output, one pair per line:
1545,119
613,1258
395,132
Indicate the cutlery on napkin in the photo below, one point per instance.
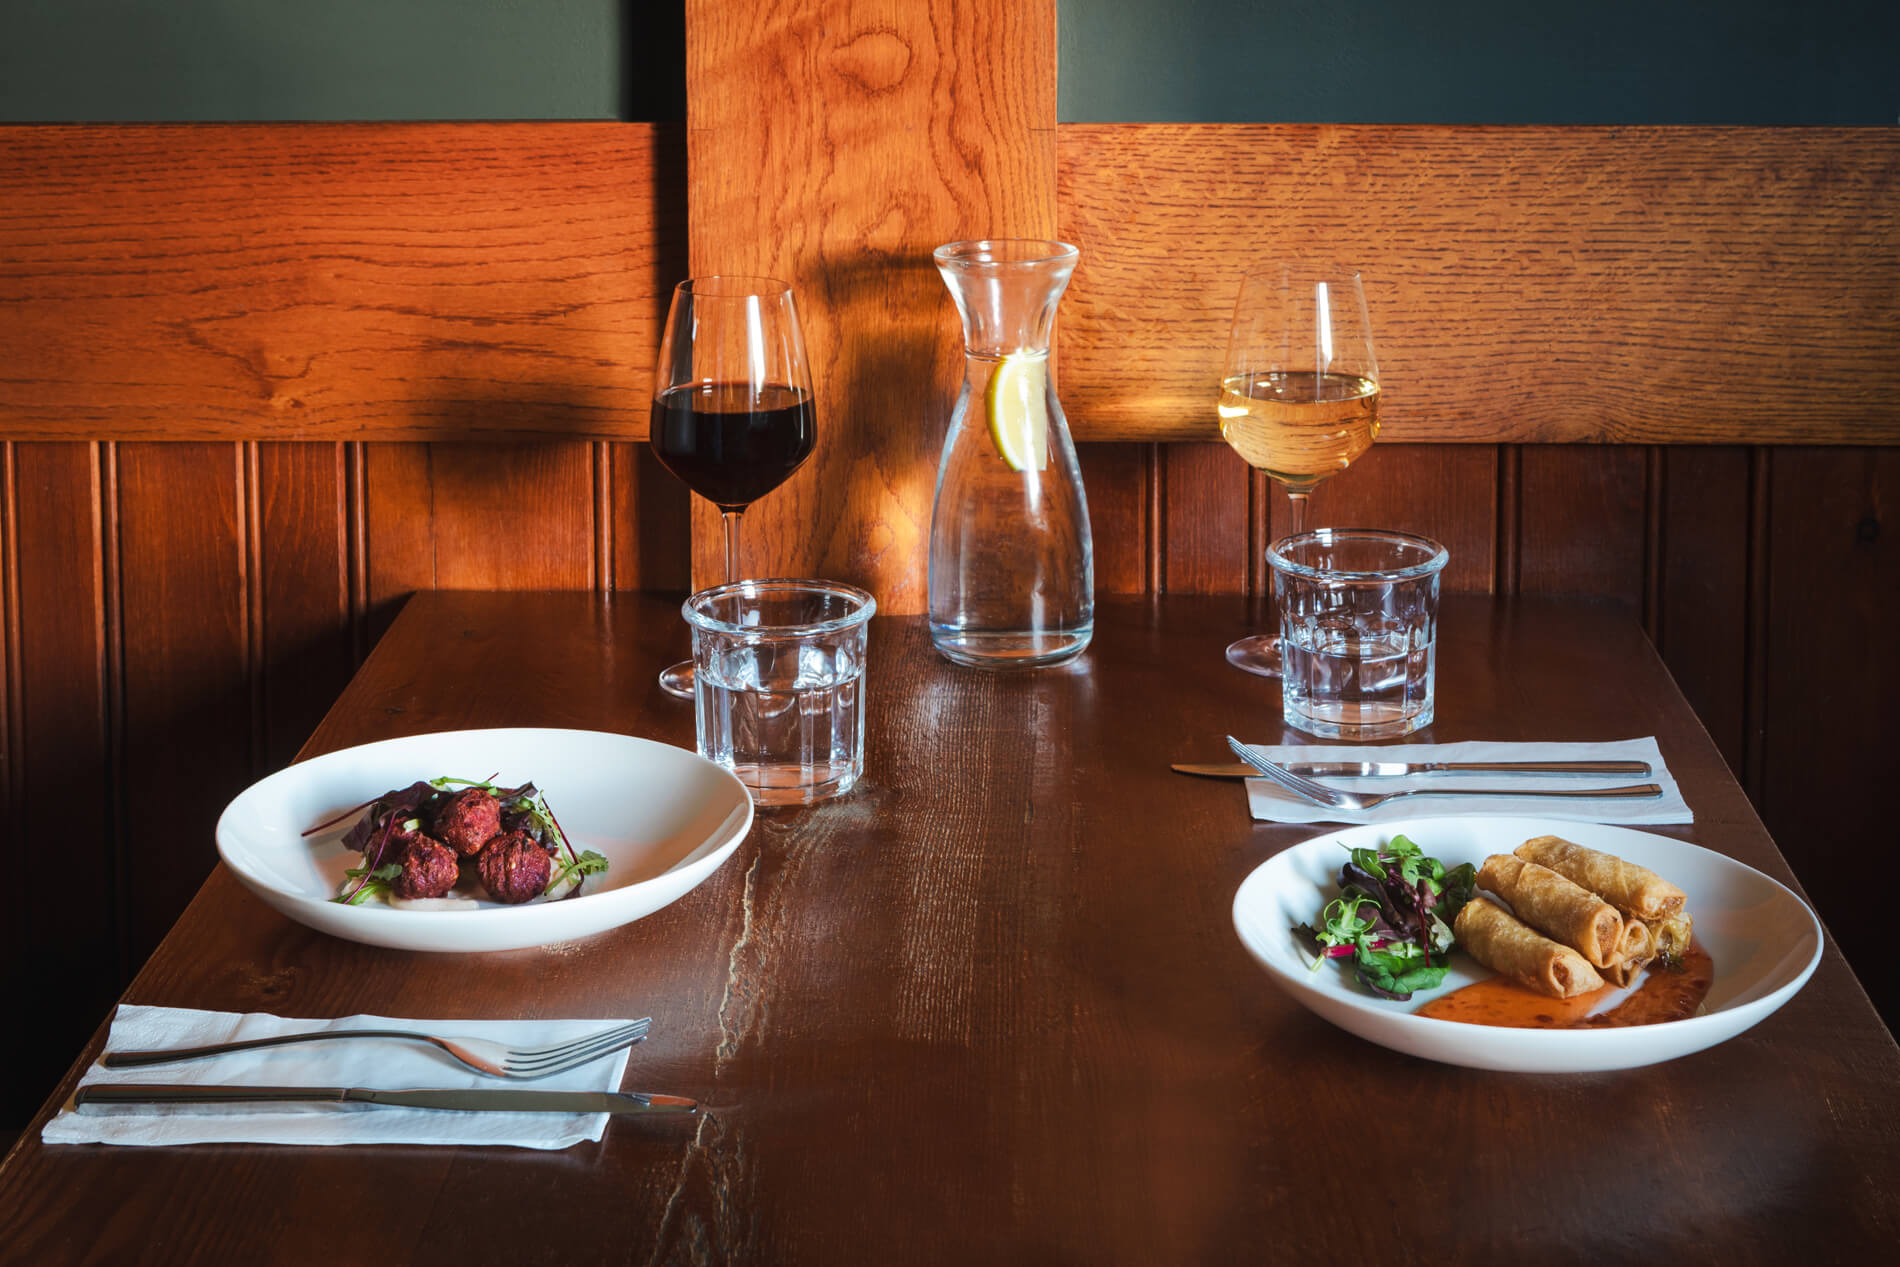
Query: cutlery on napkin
1268,802
118,1097
307,1068
1371,769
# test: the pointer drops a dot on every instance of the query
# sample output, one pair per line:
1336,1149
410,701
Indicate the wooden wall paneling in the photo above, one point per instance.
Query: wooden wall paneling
1445,492
1206,517
1115,478
478,516
835,146
1702,586
301,580
1831,682
1667,285
335,281
1581,521
398,529
651,522
189,741
513,516
64,962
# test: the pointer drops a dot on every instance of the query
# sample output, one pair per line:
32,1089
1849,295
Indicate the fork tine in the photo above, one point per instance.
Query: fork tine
570,1044
574,1060
578,1051
583,1043
1299,785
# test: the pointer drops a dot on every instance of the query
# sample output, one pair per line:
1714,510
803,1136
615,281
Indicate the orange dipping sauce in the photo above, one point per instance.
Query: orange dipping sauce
1663,995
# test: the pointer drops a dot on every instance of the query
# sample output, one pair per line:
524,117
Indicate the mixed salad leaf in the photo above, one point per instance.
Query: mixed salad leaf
366,882
1392,918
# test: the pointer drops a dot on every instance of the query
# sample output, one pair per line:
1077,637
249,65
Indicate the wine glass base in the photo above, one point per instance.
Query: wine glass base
677,680
1258,654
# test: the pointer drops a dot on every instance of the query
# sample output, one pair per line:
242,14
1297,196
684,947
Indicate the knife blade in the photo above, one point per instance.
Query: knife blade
107,1097
1398,769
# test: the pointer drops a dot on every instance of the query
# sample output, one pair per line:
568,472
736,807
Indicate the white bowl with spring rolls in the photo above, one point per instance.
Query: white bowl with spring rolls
1617,903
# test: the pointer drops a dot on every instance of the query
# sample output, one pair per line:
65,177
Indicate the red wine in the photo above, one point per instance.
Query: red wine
730,443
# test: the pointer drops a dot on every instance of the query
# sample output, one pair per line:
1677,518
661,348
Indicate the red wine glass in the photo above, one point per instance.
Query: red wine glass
732,403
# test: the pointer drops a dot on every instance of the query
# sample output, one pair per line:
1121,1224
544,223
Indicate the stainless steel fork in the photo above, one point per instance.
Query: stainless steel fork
1334,798
498,1060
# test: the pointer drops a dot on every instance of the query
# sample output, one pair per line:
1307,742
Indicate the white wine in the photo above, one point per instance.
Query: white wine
1297,425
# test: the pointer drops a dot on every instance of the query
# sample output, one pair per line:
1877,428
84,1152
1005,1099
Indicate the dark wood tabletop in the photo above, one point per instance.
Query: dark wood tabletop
991,1007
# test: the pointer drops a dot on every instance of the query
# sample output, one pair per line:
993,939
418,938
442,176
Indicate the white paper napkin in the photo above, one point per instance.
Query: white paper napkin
1269,802
383,1063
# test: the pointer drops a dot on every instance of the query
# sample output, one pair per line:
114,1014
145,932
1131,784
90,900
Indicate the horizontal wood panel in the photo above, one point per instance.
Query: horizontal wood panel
335,281
423,281
1529,284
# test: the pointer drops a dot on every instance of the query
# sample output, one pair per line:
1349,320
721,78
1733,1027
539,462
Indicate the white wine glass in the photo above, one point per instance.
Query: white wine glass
1299,395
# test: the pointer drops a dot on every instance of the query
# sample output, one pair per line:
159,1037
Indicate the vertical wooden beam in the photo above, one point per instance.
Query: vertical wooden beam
834,144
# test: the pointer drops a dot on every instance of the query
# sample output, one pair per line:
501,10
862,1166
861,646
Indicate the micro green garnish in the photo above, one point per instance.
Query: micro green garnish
375,882
1393,912
585,863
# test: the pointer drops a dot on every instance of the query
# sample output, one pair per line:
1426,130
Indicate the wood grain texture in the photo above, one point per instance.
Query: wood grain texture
64,958
334,281
1668,285
650,522
990,1008
1206,499
303,614
1703,586
189,723
513,516
834,146
1581,521
1116,479
1831,677
1445,492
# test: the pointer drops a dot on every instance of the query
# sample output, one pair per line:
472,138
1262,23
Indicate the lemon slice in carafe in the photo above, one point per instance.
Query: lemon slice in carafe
1017,405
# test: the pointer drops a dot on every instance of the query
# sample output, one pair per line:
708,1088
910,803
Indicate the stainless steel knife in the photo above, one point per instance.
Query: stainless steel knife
1397,769
108,1097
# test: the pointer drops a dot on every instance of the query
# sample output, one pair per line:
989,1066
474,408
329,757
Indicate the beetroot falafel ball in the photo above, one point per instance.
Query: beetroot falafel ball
513,868
469,820
428,868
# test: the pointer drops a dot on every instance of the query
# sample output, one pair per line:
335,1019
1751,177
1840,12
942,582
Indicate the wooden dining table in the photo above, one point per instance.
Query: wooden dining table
991,1005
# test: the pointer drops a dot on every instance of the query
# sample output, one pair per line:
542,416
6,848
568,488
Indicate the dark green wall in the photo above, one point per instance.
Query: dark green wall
1757,62
104,60
1291,61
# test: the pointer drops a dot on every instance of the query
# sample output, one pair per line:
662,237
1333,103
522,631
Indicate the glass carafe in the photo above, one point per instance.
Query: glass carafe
1012,568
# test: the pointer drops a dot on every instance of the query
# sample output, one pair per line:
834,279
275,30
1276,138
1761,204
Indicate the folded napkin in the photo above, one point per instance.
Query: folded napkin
383,1063
1269,802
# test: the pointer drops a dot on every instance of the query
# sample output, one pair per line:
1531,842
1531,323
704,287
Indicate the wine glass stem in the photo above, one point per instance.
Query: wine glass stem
730,520
1297,503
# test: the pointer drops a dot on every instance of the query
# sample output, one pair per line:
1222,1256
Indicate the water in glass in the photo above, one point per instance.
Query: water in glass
1012,565
786,720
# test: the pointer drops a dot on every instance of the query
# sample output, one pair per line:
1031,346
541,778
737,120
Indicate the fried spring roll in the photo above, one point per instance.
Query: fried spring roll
1670,937
1633,953
1502,944
1556,907
1631,889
